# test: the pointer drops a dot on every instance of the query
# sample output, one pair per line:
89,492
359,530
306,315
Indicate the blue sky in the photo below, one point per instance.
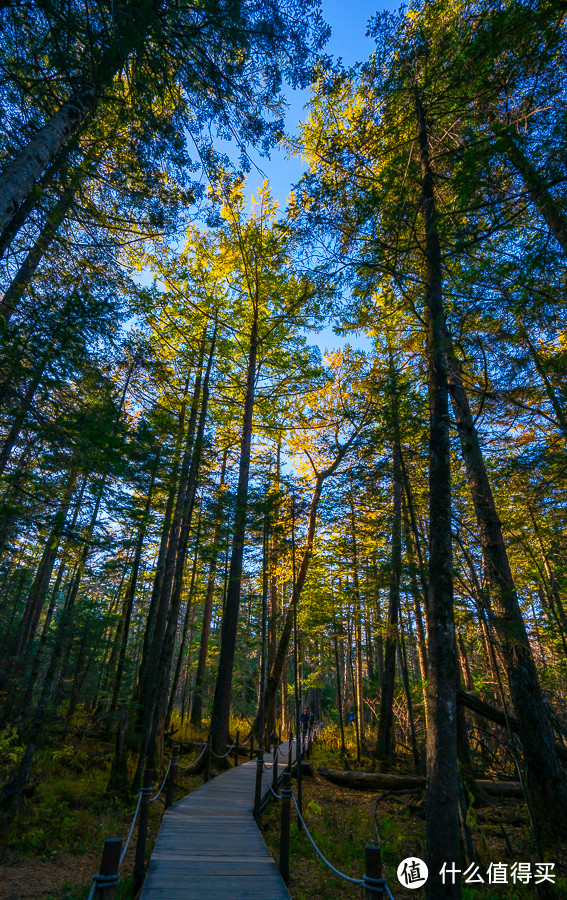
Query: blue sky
348,21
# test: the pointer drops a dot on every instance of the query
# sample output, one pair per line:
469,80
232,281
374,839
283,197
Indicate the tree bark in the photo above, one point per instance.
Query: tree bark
221,703
385,740
442,797
197,705
545,781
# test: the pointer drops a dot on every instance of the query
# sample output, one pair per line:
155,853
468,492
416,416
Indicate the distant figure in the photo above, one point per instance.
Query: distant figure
311,720
304,720
351,718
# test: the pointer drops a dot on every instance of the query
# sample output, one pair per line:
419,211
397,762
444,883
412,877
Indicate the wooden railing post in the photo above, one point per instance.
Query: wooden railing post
309,742
171,777
284,827
237,748
109,870
372,879
275,769
290,751
207,771
258,786
252,747
140,859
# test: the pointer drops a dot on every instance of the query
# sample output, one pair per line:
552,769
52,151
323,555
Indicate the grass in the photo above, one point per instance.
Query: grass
341,823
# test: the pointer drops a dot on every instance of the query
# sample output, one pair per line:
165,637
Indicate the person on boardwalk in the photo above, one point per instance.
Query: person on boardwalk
304,723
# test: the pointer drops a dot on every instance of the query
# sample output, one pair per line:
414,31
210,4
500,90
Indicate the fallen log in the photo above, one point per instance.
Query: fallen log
387,781
502,789
372,781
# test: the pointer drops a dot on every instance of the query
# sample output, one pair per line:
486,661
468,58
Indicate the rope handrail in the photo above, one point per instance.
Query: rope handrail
379,883
195,761
318,852
277,796
152,799
126,845
224,755
103,881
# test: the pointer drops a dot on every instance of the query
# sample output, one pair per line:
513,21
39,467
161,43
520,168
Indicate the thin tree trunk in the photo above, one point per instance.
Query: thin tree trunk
385,740
123,631
359,705
40,586
197,704
189,615
168,647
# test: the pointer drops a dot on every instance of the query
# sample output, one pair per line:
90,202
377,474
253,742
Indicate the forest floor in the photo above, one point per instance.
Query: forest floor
341,823
52,848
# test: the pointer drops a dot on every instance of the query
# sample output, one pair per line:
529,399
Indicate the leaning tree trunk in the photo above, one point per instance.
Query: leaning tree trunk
20,177
442,796
545,780
40,586
536,187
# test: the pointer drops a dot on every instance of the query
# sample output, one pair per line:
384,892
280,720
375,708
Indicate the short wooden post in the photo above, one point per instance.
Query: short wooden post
275,769
109,869
171,777
140,859
290,751
258,786
252,747
207,772
372,880
237,748
285,819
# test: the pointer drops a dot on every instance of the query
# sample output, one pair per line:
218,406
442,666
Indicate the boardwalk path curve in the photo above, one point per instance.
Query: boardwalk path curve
209,846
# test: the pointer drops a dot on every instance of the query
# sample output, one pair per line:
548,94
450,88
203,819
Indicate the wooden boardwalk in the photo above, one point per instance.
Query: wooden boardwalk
210,848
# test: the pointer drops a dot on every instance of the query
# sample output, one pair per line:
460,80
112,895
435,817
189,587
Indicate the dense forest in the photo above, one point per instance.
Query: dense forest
207,522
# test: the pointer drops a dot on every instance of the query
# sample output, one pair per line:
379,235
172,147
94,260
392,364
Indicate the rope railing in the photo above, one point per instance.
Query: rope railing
114,853
224,755
316,848
153,799
373,881
195,761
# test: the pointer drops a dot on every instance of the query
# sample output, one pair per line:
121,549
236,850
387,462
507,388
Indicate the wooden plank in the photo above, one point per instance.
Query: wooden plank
209,847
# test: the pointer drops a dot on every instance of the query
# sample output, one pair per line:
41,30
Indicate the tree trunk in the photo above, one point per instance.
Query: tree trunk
385,741
189,614
163,673
442,797
197,705
536,187
359,704
221,703
27,270
545,780
19,178
123,631
40,586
